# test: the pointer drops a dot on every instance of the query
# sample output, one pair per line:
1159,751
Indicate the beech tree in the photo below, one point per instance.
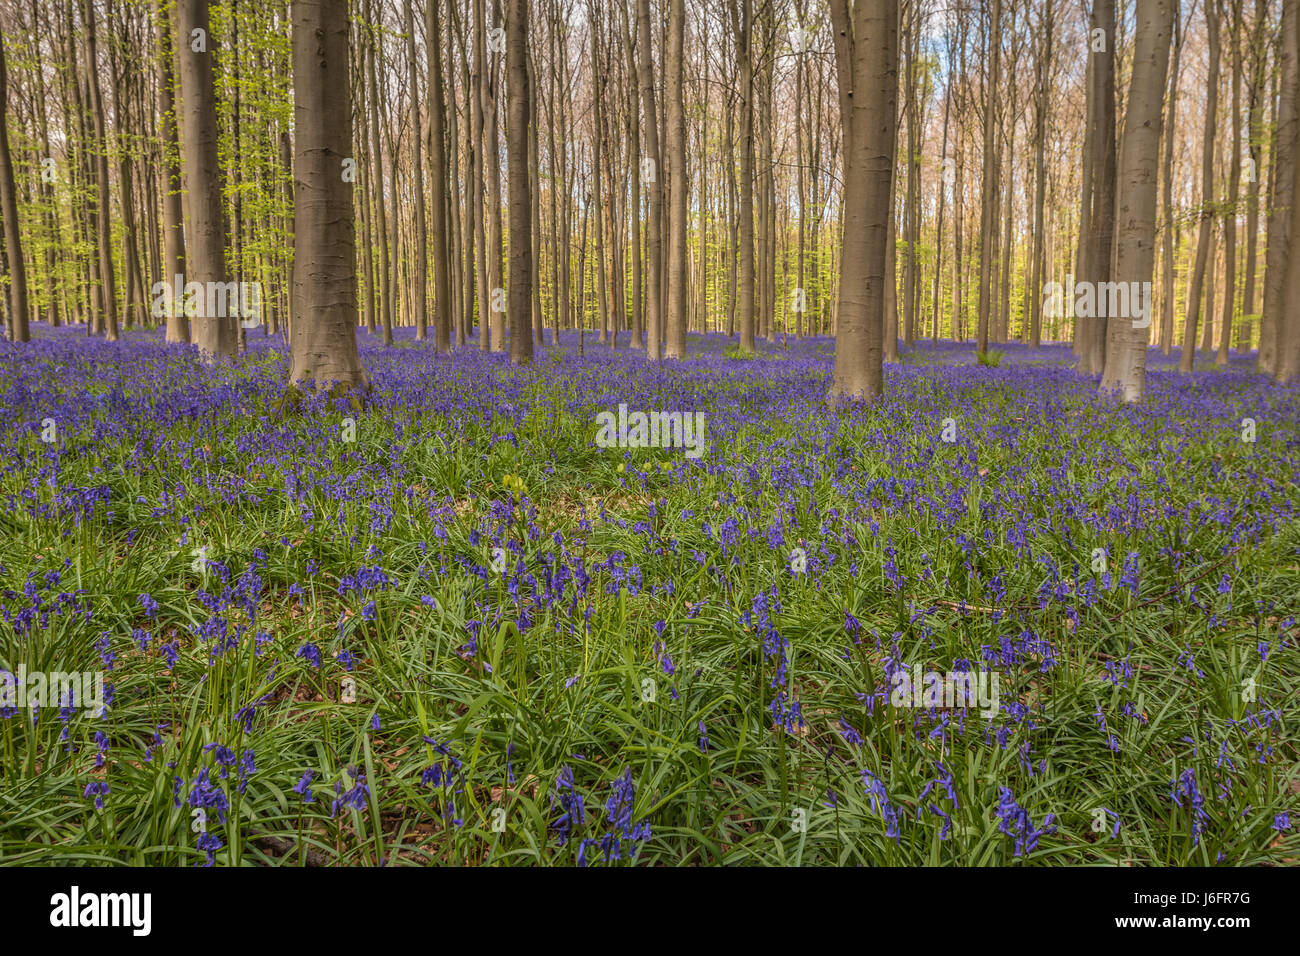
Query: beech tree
675,345
1135,250
866,57
1205,238
1288,332
173,215
1097,232
323,344
18,328
997,190
1278,256
518,116
204,220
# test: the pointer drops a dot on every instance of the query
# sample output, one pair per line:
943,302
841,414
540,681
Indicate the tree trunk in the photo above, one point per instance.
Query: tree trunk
1092,332
675,346
323,342
1135,248
518,114
1044,64
18,328
107,283
1234,190
417,171
206,229
375,181
178,326
492,169
1170,224
912,195
1206,233
1277,257
655,212
989,203
1288,331
866,55
743,24
1255,91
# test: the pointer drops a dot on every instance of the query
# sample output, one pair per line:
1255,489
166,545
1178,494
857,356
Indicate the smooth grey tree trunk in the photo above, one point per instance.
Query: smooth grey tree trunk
18,327
417,172
518,113
866,55
442,289
1277,257
1205,238
323,340
675,334
206,225
1139,170
1092,332
107,282
173,216
655,211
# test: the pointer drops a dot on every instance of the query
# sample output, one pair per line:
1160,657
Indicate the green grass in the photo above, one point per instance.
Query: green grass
571,689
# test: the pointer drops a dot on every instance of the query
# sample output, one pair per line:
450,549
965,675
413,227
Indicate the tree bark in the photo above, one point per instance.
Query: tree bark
1041,104
1278,256
866,55
1234,191
743,27
1135,248
107,283
375,179
1288,332
178,326
1206,234
989,204
655,212
1092,332
206,228
1170,225
520,295
675,346
323,342
417,173
18,319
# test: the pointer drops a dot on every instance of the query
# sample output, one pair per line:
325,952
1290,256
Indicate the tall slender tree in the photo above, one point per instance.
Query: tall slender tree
421,243
742,16
1139,170
205,231
518,116
1205,237
442,288
1278,254
173,215
323,341
654,169
675,345
1095,244
18,325
107,283
866,57
1288,330
989,204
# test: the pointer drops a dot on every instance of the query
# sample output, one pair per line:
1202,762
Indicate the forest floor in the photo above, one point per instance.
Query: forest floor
449,627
